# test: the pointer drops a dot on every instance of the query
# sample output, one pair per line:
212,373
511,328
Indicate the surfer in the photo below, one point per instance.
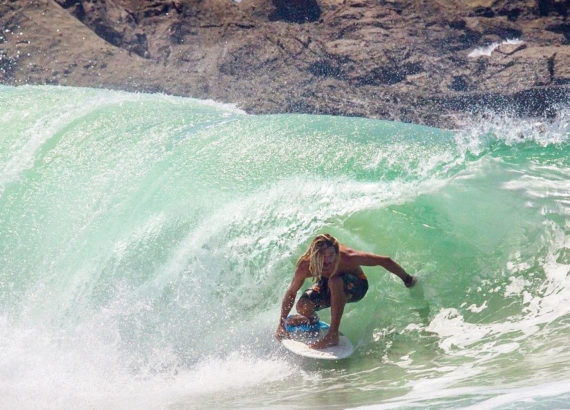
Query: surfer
339,279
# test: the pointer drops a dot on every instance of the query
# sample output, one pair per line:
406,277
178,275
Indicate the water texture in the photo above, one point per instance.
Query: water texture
146,242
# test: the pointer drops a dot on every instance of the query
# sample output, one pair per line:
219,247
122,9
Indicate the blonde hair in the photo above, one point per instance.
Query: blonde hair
314,253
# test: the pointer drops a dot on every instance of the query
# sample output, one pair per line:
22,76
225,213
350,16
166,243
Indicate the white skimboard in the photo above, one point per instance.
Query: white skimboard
302,335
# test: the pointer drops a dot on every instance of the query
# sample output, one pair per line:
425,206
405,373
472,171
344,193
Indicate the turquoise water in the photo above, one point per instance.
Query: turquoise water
146,242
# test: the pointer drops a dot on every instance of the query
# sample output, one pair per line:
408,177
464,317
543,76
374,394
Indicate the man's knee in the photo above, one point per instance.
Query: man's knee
336,283
305,307
336,286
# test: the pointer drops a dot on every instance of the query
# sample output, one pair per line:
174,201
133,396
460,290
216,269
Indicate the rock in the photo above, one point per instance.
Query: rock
510,48
296,11
392,59
559,67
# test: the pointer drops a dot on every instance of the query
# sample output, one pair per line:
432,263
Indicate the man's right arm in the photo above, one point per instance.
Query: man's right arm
289,299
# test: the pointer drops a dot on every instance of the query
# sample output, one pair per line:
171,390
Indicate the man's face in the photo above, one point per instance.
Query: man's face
329,260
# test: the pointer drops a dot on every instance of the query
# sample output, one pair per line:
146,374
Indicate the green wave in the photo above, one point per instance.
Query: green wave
167,229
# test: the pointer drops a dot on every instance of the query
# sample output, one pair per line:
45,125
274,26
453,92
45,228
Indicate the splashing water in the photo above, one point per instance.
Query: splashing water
146,242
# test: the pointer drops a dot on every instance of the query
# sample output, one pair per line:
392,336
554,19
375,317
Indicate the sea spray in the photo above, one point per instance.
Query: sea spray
146,242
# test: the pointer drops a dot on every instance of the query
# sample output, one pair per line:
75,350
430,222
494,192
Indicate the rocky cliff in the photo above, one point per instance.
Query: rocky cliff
435,62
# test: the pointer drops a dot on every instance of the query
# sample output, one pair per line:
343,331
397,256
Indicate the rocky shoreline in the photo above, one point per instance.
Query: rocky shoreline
434,62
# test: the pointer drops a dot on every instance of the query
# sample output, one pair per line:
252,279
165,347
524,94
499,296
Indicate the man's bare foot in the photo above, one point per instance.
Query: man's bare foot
327,341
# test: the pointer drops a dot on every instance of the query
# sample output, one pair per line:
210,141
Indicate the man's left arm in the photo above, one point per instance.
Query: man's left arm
371,259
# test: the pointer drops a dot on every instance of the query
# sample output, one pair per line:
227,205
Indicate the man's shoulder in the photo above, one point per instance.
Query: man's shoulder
347,253
303,266
351,258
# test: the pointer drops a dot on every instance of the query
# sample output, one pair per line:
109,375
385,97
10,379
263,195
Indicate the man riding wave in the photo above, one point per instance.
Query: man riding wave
339,279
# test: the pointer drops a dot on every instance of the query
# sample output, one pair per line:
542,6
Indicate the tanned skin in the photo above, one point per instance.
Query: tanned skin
334,266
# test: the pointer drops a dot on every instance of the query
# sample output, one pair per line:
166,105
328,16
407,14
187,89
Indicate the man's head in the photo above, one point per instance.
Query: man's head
323,255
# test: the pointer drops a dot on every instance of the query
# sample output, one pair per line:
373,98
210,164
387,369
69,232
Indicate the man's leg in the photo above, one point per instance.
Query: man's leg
338,300
306,309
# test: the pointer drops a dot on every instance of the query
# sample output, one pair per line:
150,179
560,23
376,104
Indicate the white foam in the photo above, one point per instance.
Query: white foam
541,306
487,128
516,286
42,370
483,51
455,333
477,309
488,50
233,372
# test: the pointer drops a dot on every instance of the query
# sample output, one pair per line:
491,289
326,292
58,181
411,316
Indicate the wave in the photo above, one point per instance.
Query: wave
146,242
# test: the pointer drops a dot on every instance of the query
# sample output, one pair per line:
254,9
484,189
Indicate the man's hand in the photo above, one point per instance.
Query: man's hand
410,281
281,333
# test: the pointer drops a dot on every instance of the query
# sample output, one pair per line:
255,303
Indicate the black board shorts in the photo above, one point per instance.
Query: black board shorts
355,287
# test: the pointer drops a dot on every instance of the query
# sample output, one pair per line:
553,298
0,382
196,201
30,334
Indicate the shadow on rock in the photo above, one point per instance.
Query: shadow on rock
296,11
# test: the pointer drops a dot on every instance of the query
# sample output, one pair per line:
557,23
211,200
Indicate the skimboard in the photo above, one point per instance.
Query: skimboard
302,335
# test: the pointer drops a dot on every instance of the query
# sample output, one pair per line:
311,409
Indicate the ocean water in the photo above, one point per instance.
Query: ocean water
146,242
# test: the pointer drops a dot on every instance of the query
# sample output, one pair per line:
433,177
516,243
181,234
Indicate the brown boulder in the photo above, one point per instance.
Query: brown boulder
406,60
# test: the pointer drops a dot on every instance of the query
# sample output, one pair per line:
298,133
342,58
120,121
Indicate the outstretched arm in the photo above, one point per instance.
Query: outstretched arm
371,259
